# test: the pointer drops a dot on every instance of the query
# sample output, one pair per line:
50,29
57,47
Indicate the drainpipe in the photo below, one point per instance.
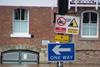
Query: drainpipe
97,3
63,7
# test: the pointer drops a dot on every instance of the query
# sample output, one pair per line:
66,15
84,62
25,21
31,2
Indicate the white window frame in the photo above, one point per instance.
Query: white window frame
83,36
13,34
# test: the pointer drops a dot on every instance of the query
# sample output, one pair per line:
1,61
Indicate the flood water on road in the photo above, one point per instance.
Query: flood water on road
48,65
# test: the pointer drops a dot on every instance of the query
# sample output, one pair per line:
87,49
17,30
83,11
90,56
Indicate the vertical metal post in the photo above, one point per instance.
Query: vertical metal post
97,2
59,64
75,5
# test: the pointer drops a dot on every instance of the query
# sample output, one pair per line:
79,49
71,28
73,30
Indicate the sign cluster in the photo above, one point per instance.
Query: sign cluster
64,50
67,24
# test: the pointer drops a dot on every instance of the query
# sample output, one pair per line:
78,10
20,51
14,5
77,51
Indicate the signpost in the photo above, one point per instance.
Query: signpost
66,26
61,52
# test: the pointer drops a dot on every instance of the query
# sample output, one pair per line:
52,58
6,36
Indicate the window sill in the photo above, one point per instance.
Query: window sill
89,38
21,35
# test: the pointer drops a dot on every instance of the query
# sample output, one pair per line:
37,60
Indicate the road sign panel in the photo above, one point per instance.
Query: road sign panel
62,38
61,52
60,29
73,23
61,21
60,25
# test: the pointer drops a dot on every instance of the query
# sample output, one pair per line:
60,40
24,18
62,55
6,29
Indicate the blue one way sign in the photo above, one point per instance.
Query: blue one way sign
61,52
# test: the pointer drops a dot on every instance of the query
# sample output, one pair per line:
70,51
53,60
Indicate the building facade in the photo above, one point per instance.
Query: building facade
27,26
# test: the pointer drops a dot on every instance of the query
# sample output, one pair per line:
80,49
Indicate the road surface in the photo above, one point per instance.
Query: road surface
48,65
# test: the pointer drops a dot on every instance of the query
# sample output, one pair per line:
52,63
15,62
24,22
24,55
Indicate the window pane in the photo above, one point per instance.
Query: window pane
23,27
26,15
90,29
93,17
20,27
85,29
22,14
86,17
17,14
11,56
16,27
93,29
29,56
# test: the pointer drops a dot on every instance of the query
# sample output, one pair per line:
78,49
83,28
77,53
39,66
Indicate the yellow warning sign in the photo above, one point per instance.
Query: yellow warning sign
73,23
75,31
62,38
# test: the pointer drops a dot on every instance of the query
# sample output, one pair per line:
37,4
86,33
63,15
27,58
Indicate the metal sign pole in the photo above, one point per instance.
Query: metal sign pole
59,64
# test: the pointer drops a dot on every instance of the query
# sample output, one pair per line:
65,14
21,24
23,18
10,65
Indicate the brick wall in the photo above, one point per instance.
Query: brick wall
42,28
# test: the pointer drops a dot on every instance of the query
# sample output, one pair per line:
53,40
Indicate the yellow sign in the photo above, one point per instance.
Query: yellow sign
73,26
73,23
75,31
62,38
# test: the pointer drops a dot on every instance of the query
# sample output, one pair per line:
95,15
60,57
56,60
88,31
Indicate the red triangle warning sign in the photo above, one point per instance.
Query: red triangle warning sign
73,23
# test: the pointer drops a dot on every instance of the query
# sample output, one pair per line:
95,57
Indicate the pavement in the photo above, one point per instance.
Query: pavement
49,65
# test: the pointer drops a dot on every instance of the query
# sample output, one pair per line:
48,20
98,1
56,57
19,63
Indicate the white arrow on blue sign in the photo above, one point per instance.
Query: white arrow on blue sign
61,52
57,49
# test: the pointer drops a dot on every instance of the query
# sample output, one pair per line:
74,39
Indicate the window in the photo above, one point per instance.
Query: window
19,56
20,23
89,25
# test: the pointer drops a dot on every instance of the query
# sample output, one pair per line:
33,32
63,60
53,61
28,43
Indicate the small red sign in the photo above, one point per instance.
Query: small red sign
60,30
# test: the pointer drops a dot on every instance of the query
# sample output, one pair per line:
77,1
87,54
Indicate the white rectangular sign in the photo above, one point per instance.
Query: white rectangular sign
67,24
